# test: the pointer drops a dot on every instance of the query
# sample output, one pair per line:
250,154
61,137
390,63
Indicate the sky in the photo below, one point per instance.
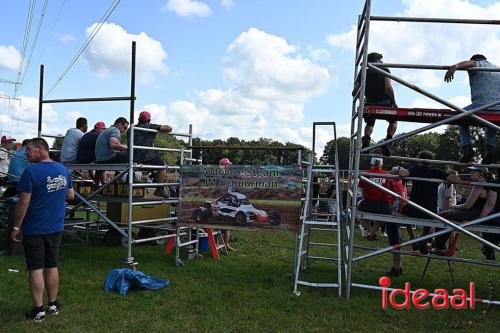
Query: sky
231,68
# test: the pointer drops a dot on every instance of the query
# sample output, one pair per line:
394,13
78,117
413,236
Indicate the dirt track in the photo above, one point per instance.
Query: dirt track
289,217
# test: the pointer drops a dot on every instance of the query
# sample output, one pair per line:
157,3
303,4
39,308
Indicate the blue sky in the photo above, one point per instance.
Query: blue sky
244,68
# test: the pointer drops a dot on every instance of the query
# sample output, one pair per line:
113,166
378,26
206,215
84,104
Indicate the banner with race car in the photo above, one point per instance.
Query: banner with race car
241,196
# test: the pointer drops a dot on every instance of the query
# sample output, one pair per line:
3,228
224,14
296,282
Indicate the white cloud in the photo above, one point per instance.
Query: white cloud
265,66
268,102
9,58
19,118
110,51
288,113
230,102
72,116
319,55
428,103
430,43
227,3
187,8
67,38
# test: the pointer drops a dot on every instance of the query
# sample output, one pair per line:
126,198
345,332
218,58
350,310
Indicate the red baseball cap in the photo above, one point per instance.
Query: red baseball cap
100,125
145,115
7,138
225,161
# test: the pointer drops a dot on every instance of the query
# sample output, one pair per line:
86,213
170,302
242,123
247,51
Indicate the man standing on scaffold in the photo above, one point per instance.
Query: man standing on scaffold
378,92
484,89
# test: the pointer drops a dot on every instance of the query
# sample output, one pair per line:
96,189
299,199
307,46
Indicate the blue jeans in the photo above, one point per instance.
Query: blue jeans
464,131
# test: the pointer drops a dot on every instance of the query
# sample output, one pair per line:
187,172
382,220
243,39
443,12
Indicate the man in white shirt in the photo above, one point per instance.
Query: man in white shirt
69,149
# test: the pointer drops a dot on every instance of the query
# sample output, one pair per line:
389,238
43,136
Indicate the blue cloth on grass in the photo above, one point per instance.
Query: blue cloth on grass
123,279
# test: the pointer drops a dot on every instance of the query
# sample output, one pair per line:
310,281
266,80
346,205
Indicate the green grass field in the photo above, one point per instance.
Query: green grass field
246,291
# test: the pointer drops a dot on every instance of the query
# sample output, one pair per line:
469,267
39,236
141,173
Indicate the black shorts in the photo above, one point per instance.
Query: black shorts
120,158
382,207
42,251
154,161
370,120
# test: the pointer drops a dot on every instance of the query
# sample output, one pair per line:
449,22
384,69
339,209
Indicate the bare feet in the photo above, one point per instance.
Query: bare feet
230,248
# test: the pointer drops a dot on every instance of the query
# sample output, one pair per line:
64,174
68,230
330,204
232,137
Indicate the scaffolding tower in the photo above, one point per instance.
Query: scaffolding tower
165,227
356,152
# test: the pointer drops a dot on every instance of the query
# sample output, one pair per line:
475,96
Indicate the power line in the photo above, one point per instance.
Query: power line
27,30
2,80
33,45
96,29
51,32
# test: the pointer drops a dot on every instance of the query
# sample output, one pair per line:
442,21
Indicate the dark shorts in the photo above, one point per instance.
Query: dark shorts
370,120
120,158
382,207
154,161
42,251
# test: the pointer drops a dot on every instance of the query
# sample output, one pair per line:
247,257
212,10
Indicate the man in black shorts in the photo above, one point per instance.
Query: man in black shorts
424,193
378,92
150,157
43,189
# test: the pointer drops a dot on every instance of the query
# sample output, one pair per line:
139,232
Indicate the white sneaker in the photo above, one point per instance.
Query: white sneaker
363,231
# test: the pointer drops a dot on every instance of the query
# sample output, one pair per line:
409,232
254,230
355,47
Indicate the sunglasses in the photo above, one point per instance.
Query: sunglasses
30,148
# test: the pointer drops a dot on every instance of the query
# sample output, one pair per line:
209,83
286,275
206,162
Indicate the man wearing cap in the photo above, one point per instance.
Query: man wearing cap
108,149
226,233
5,157
150,157
379,202
484,89
71,141
86,151
18,163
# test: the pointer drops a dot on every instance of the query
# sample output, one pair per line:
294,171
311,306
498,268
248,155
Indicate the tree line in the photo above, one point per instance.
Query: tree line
445,146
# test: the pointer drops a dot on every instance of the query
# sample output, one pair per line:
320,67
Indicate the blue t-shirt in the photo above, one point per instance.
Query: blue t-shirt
18,163
485,86
103,150
48,183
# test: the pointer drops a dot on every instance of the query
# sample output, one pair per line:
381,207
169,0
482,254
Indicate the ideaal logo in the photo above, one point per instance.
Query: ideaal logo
440,299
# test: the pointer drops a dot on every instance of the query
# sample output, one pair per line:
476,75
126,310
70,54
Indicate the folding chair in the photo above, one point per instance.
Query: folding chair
452,249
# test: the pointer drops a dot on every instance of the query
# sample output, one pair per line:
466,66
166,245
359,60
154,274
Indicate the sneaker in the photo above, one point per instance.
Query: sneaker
53,309
159,192
395,272
363,231
468,154
35,316
365,141
386,150
488,254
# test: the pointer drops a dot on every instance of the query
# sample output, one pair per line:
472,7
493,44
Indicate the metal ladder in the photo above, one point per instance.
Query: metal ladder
319,222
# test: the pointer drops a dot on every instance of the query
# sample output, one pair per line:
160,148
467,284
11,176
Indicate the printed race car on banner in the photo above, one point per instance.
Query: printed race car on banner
235,207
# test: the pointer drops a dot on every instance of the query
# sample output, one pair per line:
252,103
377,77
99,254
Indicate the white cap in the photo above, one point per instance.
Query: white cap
376,160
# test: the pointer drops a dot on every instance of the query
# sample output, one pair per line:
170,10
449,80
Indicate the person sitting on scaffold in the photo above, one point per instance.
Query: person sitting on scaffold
378,92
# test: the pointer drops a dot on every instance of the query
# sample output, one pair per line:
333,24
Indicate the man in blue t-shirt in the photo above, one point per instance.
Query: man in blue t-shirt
484,89
43,189
18,163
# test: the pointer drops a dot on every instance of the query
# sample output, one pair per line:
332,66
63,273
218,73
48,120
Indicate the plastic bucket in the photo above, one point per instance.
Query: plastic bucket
202,240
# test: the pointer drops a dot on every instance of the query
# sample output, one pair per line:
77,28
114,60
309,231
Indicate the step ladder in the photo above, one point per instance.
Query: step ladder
319,221
216,243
